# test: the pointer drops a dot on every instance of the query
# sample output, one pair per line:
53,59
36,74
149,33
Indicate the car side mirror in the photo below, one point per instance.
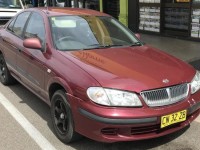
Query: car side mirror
33,43
138,36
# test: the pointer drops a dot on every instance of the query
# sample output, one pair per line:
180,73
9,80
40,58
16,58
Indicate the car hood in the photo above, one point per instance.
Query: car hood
5,12
132,68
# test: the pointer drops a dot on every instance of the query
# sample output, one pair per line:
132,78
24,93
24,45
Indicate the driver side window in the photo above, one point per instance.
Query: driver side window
35,28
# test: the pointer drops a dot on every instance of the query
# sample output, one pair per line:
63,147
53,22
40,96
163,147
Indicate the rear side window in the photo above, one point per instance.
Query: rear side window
20,23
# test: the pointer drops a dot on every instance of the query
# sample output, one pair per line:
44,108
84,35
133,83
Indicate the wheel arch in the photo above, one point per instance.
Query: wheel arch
53,88
58,84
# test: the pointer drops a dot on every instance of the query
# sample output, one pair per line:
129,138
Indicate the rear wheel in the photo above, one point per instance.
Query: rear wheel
5,76
62,118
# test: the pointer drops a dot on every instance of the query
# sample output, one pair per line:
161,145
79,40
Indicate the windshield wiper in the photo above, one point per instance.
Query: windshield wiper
135,44
116,45
98,46
95,47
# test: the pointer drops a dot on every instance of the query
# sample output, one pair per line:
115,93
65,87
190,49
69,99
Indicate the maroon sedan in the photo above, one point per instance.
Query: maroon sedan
98,78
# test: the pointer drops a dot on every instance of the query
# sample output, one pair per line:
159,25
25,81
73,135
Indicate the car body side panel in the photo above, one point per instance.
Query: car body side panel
32,62
9,50
68,75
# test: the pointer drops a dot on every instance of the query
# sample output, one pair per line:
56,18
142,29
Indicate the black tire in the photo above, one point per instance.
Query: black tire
5,76
62,119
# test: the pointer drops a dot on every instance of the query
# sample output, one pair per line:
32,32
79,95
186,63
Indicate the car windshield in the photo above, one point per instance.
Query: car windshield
89,32
10,4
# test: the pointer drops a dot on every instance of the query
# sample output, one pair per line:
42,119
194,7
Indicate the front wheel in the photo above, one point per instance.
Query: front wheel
62,118
5,76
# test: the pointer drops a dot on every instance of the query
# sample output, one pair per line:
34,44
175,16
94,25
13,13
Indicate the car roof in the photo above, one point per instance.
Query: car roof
57,11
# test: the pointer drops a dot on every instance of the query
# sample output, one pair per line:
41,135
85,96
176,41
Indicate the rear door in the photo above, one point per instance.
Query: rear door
12,42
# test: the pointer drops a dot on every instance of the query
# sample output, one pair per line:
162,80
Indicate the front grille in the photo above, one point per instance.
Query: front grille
138,131
145,129
165,96
154,129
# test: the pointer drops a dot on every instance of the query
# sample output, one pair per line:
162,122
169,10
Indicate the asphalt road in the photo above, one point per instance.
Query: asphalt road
25,124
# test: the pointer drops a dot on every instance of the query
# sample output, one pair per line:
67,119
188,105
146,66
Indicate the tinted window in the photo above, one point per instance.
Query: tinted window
35,28
20,23
114,31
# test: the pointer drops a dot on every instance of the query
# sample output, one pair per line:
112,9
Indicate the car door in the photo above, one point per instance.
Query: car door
12,42
33,60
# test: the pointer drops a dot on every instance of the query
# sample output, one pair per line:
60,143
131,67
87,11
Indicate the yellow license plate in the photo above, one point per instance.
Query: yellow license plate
173,118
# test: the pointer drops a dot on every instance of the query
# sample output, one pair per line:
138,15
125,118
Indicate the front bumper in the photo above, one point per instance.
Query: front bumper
117,121
130,124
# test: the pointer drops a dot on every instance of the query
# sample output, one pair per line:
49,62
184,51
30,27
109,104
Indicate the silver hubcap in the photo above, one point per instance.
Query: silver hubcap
62,116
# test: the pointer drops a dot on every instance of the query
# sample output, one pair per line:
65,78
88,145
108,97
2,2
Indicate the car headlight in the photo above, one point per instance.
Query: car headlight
195,84
111,97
